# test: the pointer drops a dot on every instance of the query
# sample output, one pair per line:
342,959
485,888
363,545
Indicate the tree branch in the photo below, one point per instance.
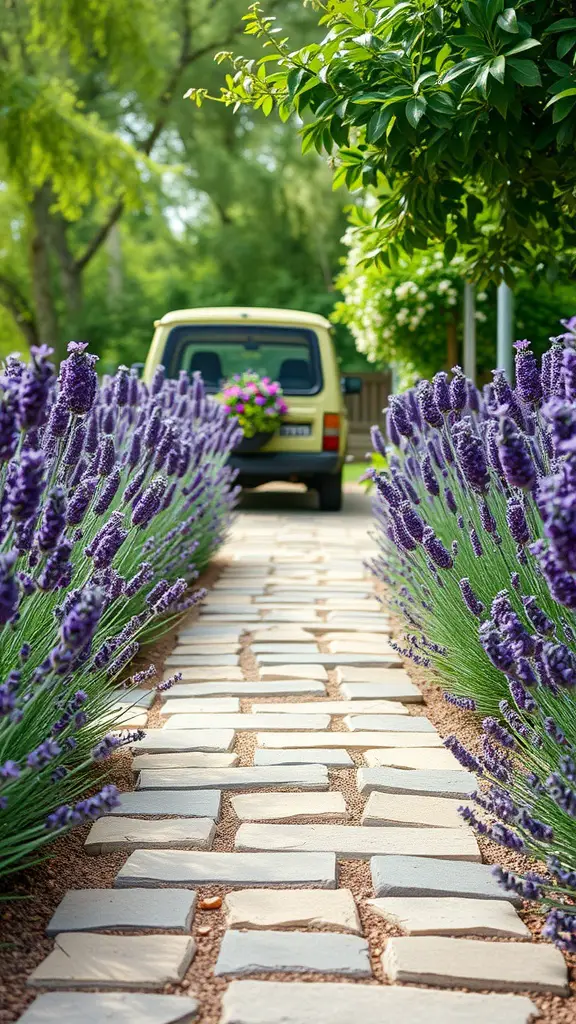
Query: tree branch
14,301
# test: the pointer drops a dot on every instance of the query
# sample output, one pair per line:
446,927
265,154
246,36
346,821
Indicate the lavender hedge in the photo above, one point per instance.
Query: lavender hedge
113,497
476,517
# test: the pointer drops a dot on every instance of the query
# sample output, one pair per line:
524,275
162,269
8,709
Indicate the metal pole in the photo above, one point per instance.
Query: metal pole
470,331
505,328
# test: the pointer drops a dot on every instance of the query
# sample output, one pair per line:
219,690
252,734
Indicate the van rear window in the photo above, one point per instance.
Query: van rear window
289,355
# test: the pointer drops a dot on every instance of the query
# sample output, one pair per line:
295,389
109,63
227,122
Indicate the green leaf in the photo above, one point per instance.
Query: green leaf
565,44
378,124
526,44
524,72
415,109
441,102
460,69
560,26
508,21
560,96
565,107
450,247
498,68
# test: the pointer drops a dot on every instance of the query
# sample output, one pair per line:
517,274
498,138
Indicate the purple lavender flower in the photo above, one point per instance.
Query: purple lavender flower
458,390
144,575
9,594
25,486
428,407
470,452
476,545
430,482
436,550
412,521
43,754
516,520
551,374
121,385
106,455
8,427
75,445
400,416
53,522
517,465
149,503
464,703
470,599
442,392
560,664
378,442
108,542
528,383
540,622
450,500
496,649
108,492
391,432
34,390
81,621
466,759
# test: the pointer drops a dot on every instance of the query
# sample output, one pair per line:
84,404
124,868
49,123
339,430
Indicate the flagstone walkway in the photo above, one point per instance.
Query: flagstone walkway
293,797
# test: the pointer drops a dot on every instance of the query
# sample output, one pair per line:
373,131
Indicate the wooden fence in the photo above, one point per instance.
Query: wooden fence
365,409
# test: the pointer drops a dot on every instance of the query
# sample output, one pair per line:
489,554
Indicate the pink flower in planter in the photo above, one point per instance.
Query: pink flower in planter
239,408
260,400
273,388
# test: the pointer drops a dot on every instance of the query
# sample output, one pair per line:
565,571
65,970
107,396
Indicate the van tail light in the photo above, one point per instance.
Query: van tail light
331,432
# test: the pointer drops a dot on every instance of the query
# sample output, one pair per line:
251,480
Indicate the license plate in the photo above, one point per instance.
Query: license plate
295,429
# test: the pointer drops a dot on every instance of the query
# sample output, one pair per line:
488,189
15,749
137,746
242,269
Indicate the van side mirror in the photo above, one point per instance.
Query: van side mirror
351,385
138,367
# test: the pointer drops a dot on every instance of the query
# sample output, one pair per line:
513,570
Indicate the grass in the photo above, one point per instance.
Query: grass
353,471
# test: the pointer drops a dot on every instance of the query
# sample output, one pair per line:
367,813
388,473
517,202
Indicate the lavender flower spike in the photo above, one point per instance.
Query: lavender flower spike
436,550
78,379
516,462
470,599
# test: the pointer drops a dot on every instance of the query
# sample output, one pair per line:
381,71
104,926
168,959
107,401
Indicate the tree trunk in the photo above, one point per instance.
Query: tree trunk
46,318
70,273
451,343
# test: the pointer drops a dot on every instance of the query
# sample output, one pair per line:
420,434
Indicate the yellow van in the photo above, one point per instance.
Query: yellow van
289,346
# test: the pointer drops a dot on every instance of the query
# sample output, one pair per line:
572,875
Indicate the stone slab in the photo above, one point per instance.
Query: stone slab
209,674
400,690
201,660
287,649
353,624
282,634
359,647
199,705
109,1008
358,636
352,740
198,804
335,707
162,741
331,758
121,717
400,809
257,952
456,784
109,834
358,842
247,722
451,915
213,616
90,960
274,1002
293,671
353,604
332,910
423,876
192,760
311,776
202,648
94,910
153,868
249,689
389,723
425,759
137,696
501,966
332,660
283,806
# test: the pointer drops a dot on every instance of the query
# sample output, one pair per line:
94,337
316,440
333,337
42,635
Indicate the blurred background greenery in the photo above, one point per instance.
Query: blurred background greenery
119,200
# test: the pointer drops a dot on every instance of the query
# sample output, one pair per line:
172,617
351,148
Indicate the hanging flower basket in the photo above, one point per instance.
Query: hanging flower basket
258,405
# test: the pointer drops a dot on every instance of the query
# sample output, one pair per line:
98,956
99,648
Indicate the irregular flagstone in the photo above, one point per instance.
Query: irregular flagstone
451,915
400,809
200,649
425,759
283,952
294,672
109,834
352,637
292,908
177,760
122,717
278,806
287,649
502,966
210,616
274,1002
353,625
360,647
210,674
193,660
279,634
358,842
308,619
248,689
91,910
389,723
332,660
313,776
108,1007
331,758
352,604
356,740
423,876
199,804
247,722
200,705
456,784
152,868
89,960
355,674
199,633
335,707
137,696
162,741
388,689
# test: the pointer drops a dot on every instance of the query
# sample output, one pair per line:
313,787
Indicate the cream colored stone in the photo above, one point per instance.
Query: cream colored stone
423,759
349,740
294,672
333,910
451,915
85,960
335,707
358,842
400,809
283,806
117,833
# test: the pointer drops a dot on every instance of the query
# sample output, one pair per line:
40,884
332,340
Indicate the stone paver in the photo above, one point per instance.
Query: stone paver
423,876
359,842
388,723
294,671
200,705
183,649
135,696
256,952
384,690
353,624
109,1008
152,868
210,674
185,760
313,776
330,661
163,741
451,963
400,809
283,635
273,1002
331,758
425,759
286,649
356,740
276,688
200,660
89,960
359,647
91,910
198,804
248,723
278,806
332,910
451,915
335,707
455,784
355,637
109,834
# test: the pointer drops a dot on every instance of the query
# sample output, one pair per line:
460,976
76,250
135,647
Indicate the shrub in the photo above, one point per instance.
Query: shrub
477,518
113,498
256,402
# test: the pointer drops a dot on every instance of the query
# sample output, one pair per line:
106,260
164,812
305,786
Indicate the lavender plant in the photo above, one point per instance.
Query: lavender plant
476,524
113,496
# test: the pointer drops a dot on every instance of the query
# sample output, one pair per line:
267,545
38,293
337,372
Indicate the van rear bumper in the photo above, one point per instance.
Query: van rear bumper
266,467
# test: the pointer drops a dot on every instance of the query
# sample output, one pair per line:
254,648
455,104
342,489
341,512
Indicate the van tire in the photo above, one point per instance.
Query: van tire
329,489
